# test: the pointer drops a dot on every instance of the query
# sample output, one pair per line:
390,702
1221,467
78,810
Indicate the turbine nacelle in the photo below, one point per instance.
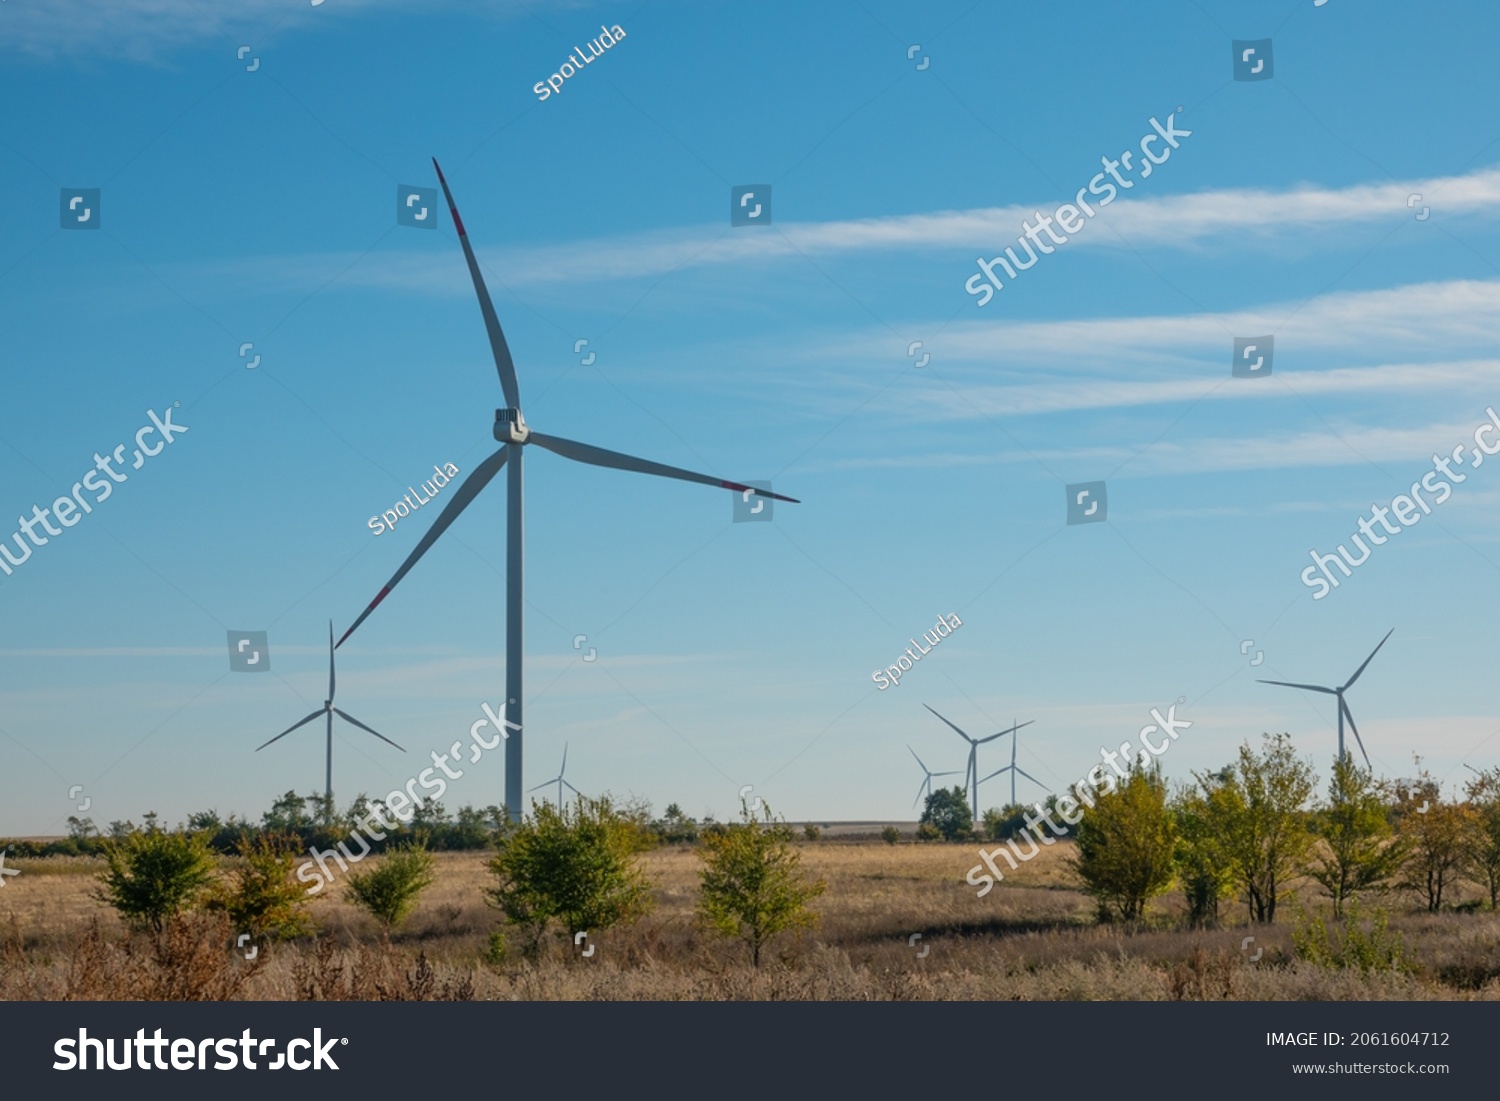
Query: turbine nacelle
510,426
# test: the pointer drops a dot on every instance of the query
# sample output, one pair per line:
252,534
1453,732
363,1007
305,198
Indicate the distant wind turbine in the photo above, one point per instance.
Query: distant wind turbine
559,781
971,772
1344,712
512,432
926,788
329,710
1013,768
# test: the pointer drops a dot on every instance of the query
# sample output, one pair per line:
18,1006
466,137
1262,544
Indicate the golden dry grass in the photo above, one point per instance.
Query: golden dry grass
1033,937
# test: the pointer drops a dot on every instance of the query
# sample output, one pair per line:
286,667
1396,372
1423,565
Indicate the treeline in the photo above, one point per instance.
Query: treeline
312,820
1246,832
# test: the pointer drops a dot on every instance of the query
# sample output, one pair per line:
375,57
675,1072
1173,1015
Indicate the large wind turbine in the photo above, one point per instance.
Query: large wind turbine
1344,712
1014,768
559,781
926,788
971,772
513,434
329,710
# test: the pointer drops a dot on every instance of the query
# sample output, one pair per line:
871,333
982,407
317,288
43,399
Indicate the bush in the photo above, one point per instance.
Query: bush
262,898
389,891
751,885
811,832
890,835
154,876
1352,946
1126,845
573,866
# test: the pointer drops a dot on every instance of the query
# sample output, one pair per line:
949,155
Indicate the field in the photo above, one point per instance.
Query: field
1031,938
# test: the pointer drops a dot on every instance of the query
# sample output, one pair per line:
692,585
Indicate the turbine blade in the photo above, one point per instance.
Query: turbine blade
351,719
1357,739
503,363
997,772
563,770
1030,777
950,772
1307,687
1369,659
476,481
571,788
330,661
961,734
913,752
288,730
598,456
1003,733
544,784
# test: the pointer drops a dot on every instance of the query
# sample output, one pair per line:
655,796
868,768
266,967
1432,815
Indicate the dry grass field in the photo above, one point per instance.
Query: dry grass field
1031,938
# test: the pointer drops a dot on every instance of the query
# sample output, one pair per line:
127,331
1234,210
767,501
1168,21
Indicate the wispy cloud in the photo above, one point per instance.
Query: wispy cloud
1175,221
1341,445
148,30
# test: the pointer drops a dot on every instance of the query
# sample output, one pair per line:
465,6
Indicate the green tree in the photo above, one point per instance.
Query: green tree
751,885
1203,864
948,812
1484,845
1265,831
288,814
1126,842
1359,850
574,866
154,875
1438,836
389,891
261,896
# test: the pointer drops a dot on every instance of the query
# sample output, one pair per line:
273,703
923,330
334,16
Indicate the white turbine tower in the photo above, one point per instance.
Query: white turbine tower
928,774
971,771
329,710
513,434
559,781
1344,712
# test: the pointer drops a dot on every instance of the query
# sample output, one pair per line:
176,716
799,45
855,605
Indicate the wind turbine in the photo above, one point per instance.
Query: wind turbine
1014,768
329,710
513,434
1344,712
559,781
926,788
971,771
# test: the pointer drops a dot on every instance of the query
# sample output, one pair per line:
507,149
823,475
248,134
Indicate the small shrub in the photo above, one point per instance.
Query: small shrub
154,876
751,886
890,835
261,897
573,866
1352,946
389,891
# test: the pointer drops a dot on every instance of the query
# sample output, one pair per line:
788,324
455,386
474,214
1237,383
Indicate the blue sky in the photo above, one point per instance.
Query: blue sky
259,207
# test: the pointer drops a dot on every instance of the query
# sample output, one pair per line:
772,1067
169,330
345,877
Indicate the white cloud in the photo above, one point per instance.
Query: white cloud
146,30
1178,221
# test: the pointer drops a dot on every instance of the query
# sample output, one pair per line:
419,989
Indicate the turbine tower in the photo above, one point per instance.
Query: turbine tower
559,781
926,788
329,710
1014,768
971,771
513,435
1344,712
